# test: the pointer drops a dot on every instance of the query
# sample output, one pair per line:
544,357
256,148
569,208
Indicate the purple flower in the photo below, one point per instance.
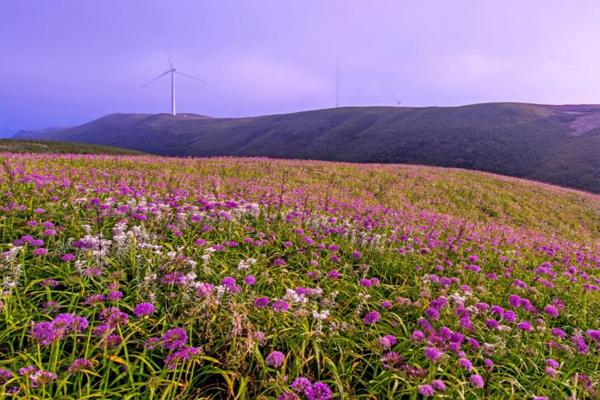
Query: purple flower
68,257
280,306
228,281
372,317
439,385
40,378
250,280
204,289
333,274
432,314
432,354
5,376
524,326
387,341
426,390
551,311
261,302
143,309
112,341
417,336
181,356
557,332
114,317
40,251
115,295
594,334
175,338
300,384
477,381
80,364
318,391
275,359
465,363
552,363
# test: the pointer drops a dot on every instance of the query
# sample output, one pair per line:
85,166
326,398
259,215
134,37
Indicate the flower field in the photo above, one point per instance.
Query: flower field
130,277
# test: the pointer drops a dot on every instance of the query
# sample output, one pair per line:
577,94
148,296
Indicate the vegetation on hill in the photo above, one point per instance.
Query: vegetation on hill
155,278
45,146
555,144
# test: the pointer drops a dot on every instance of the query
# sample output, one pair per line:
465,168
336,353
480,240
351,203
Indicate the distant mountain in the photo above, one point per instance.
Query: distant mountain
34,134
553,143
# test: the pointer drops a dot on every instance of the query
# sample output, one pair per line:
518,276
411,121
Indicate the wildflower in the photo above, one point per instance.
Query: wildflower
181,356
477,381
391,360
228,281
580,344
275,359
524,326
465,363
333,274
115,295
28,370
387,341
300,384
40,251
112,341
280,306
427,390
318,391
204,289
174,338
250,280
417,336
551,311
143,309
557,332
372,317
261,302
433,354
5,376
80,364
439,385
68,257
551,372
114,317
41,378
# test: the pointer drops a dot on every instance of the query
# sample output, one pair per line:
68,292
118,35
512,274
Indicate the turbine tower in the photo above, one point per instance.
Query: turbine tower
172,71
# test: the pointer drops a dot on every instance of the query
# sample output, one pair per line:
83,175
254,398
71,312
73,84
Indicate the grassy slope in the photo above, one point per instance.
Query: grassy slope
41,146
476,196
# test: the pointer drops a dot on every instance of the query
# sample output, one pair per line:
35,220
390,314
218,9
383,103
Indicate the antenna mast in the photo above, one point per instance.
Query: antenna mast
337,82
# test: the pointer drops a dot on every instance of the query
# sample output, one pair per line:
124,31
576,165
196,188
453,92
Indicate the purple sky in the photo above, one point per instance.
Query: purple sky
66,62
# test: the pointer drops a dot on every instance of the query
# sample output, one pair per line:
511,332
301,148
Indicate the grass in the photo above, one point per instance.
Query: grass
51,147
260,272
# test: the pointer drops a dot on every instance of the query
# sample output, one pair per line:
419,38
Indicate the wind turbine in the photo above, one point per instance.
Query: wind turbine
172,71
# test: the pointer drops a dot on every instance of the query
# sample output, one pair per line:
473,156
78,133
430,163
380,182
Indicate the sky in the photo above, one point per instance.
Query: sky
64,63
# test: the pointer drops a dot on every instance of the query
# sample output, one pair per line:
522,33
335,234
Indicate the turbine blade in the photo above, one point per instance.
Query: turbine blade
170,63
190,76
157,78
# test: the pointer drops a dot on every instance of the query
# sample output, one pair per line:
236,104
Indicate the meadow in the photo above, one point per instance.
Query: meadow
140,277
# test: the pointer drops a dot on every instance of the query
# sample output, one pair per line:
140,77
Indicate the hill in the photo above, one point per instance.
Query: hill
45,146
556,144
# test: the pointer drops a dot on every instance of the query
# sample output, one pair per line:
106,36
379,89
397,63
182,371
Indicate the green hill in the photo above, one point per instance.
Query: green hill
556,144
